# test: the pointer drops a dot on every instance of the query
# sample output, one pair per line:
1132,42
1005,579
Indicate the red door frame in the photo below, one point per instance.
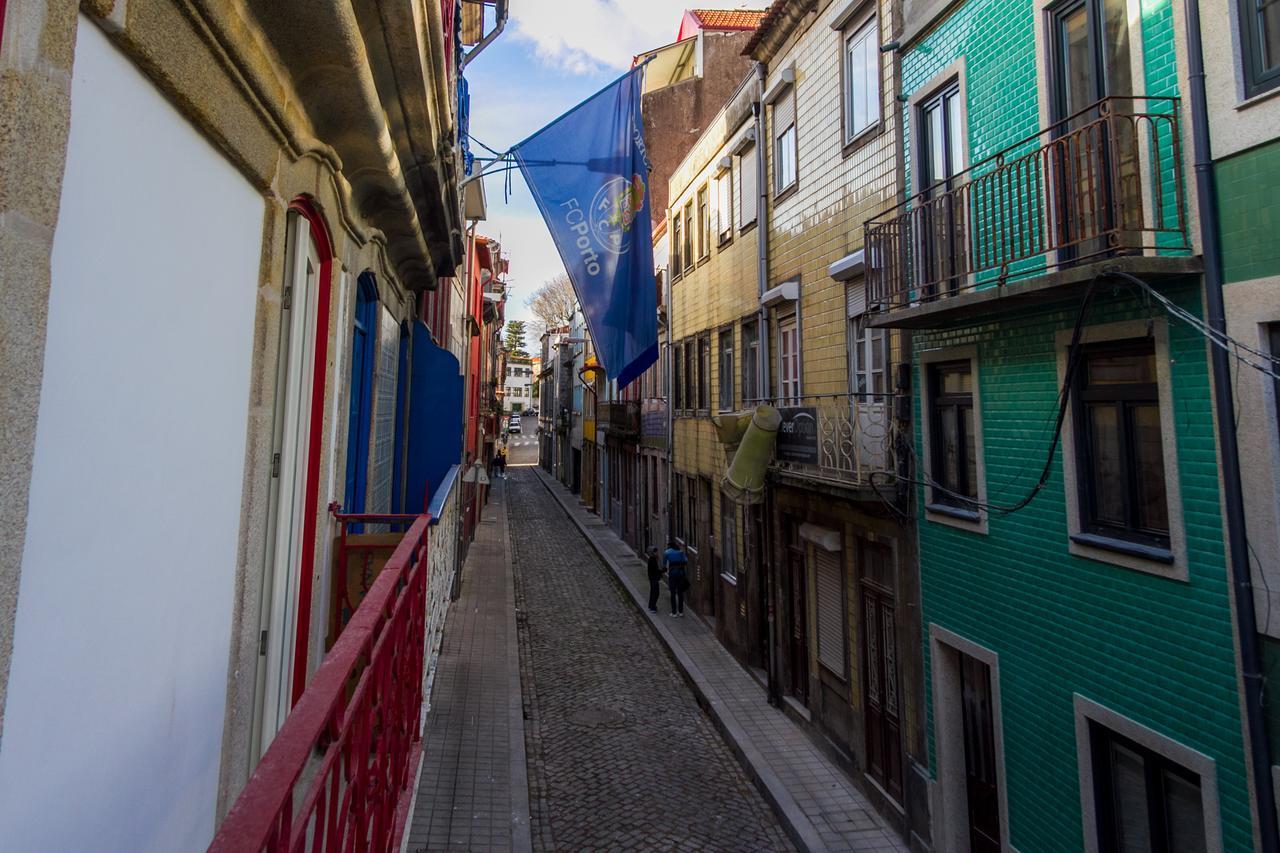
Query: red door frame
2,2
324,248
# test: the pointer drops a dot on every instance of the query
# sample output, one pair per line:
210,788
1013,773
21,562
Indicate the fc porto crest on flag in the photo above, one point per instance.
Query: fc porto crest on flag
589,174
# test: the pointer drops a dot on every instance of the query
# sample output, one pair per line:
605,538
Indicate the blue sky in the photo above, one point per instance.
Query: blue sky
552,55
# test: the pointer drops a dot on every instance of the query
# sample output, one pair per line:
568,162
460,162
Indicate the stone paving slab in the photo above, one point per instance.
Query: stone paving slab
818,804
473,790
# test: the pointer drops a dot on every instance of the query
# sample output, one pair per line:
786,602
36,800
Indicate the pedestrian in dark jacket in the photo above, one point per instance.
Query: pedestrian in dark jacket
677,563
655,577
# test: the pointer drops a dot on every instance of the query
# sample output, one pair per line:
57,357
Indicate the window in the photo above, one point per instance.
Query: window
691,514
1260,38
953,454
704,372
704,222
1143,800
868,359
677,379
1120,461
861,79
726,370
788,361
748,190
728,538
750,361
724,206
784,142
679,532
690,376
688,236
829,585
677,245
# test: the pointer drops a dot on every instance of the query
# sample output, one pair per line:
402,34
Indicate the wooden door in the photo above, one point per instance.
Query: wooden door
799,619
881,705
981,783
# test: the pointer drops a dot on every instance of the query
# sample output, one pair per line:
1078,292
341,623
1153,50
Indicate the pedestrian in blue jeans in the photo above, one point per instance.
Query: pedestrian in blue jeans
677,563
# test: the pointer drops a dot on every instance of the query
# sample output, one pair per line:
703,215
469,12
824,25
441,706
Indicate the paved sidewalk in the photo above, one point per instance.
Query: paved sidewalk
473,791
817,803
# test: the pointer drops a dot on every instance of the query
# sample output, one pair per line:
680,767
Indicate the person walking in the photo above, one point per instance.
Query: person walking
499,465
655,577
677,575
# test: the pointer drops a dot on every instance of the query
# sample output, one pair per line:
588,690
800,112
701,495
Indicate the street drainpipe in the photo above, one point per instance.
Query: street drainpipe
762,369
1246,618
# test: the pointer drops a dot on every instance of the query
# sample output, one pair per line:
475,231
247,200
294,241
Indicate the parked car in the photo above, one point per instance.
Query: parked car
514,425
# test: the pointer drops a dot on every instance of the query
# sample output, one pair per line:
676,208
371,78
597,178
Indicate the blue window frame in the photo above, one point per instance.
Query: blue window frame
364,342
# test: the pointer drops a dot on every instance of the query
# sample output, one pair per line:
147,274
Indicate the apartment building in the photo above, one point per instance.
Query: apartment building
517,397
1080,635
842,543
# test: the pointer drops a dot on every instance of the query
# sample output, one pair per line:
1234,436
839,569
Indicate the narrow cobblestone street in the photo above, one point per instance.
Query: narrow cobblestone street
620,755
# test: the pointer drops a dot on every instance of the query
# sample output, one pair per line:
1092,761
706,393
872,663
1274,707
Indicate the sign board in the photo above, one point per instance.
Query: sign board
798,435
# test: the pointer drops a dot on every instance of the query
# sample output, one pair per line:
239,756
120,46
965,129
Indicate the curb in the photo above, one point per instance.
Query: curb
794,822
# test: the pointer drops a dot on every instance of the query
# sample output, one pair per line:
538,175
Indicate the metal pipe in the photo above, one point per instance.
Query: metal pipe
501,23
1233,497
762,370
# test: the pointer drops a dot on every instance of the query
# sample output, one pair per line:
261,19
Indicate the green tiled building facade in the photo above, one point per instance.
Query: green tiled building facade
1058,653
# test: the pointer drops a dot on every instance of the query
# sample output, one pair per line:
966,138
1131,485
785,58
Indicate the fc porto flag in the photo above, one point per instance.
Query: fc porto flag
588,172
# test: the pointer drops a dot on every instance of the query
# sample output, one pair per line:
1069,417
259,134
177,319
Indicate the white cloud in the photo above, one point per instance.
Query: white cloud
585,35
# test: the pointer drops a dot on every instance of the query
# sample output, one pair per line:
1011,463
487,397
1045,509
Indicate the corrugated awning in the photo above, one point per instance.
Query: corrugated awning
670,64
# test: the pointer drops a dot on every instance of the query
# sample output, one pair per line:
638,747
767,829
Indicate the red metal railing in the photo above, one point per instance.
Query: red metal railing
354,734
1106,181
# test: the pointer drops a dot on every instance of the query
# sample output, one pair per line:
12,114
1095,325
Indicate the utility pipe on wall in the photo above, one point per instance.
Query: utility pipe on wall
1233,495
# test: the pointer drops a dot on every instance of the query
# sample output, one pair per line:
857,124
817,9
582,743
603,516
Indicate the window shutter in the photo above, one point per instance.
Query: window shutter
830,610
747,188
784,112
855,298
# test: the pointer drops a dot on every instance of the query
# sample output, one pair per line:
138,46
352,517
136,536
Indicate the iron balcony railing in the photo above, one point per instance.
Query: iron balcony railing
619,417
1104,182
843,438
338,776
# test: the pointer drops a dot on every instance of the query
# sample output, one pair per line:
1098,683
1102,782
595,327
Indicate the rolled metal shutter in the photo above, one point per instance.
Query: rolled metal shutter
830,610
855,298
784,112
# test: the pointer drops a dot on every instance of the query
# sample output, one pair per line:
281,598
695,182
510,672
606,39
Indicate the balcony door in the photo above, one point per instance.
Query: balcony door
941,218
868,385
1095,154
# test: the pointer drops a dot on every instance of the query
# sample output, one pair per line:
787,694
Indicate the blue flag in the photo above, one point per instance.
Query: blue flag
589,174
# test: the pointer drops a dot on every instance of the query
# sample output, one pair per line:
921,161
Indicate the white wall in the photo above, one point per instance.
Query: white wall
116,695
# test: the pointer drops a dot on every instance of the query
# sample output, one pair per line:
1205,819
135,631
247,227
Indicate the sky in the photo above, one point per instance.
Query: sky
552,55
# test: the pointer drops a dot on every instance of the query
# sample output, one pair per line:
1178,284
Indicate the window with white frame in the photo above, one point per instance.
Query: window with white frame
724,205
748,187
788,360
726,385
784,142
861,73
688,236
750,360
868,360
704,222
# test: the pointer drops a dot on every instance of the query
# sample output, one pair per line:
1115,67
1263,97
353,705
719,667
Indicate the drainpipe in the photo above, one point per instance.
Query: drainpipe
671,415
762,371
1246,618
500,13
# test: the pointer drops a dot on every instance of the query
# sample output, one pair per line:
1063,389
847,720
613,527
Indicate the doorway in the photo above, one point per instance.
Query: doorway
882,702
291,525
798,614
1094,158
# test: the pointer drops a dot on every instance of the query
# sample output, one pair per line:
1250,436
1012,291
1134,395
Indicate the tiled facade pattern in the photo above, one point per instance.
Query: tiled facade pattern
837,191
1249,201
1156,650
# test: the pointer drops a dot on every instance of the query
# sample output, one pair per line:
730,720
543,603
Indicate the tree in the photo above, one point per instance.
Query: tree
515,338
554,303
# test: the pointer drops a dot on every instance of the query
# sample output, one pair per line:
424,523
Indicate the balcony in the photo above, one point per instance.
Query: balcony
620,418
1103,187
654,422
339,773
842,439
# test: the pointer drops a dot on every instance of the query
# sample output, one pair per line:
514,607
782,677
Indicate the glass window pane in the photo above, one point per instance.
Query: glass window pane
1127,369
1185,814
1119,75
934,138
1269,35
1149,460
949,429
970,452
1129,784
957,381
1107,480
1078,75
955,129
